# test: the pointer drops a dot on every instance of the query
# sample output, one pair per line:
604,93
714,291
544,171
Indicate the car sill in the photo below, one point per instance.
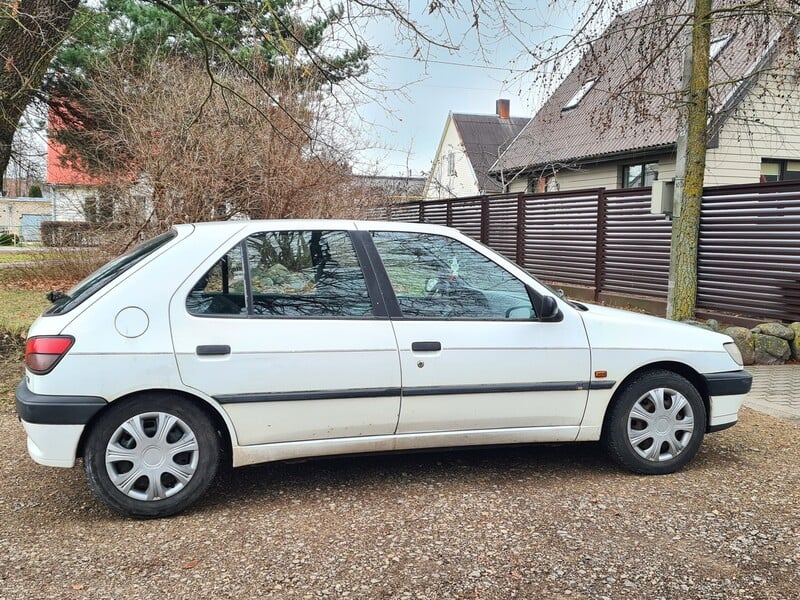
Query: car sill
248,455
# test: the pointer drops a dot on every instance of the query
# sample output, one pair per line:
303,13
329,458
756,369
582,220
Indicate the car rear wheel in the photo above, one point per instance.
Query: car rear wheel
655,424
151,456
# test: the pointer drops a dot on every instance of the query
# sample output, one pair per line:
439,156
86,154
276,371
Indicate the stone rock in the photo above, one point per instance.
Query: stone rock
744,340
713,324
795,343
278,273
770,350
699,324
775,329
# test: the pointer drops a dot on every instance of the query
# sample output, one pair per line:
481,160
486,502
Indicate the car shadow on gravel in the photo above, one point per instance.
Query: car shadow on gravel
395,472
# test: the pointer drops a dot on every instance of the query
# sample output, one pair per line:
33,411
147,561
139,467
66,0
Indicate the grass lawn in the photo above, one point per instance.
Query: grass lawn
24,256
19,308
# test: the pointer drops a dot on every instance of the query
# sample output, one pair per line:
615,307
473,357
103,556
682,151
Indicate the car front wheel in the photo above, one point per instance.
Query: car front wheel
151,456
655,424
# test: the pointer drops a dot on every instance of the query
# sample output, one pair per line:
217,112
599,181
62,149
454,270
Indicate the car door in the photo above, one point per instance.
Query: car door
282,331
473,353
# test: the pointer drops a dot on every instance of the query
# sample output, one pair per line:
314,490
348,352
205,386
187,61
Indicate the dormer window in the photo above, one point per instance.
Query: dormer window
576,99
717,45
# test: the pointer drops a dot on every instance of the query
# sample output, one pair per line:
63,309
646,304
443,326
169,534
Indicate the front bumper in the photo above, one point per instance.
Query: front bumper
726,392
54,424
732,383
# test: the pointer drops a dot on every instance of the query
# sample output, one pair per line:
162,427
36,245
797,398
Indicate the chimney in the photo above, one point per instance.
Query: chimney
503,108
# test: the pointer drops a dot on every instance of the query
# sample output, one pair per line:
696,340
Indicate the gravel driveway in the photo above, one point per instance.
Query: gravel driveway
530,522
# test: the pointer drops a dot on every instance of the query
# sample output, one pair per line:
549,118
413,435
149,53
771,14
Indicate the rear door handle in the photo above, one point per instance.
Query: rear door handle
426,346
220,350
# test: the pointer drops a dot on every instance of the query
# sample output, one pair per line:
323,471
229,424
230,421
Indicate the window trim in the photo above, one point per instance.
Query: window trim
782,163
626,169
717,45
393,305
578,96
451,164
376,297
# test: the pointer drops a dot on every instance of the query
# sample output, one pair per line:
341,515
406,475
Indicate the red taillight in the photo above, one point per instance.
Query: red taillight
42,353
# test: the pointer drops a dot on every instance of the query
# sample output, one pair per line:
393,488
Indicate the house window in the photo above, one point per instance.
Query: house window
579,95
639,175
779,170
717,46
451,164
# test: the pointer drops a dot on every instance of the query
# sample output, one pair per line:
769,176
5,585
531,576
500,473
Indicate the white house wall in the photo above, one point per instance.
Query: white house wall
443,185
604,176
764,125
587,177
69,202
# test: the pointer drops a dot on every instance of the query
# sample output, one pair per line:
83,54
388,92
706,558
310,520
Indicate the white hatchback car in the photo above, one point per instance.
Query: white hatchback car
257,341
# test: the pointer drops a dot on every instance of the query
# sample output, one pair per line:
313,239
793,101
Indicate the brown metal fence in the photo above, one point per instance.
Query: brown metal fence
749,252
609,243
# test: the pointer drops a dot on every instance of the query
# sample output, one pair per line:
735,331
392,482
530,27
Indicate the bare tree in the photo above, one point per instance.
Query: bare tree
168,149
30,33
32,30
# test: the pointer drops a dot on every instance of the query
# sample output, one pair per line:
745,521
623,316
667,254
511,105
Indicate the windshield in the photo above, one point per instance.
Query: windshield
96,281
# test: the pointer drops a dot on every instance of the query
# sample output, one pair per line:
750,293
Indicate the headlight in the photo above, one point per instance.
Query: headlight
734,352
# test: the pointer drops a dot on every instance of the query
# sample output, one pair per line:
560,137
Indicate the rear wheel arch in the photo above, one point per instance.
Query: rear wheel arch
213,414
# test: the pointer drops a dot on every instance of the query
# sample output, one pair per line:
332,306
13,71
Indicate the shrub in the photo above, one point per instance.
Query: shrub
68,234
35,191
8,239
12,343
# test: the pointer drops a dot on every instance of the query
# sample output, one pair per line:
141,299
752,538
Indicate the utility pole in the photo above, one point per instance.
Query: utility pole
690,168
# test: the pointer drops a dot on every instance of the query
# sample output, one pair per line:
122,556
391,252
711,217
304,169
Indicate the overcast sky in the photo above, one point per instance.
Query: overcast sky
406,127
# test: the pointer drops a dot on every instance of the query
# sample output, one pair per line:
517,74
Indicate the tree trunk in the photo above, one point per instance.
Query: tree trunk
686,222
30,33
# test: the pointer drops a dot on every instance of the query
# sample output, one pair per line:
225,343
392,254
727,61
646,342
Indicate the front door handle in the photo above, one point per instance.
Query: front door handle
220,350
426,346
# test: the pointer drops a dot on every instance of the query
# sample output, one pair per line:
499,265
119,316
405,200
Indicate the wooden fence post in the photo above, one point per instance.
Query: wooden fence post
600,247
485,220
521,231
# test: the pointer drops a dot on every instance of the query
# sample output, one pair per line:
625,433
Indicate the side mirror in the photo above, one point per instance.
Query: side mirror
549,310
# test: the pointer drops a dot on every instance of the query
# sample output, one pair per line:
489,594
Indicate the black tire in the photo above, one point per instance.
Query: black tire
179,448
666,427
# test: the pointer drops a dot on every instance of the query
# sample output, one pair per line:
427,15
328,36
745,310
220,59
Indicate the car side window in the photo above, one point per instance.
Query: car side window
434,276
290,274
221,291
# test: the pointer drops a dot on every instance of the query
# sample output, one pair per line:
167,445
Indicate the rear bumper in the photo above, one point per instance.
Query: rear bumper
54,424
55,410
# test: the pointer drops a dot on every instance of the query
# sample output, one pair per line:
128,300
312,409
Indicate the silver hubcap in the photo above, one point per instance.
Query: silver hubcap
152,456
660,424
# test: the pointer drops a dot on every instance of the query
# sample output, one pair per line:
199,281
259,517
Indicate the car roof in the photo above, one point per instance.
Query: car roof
330,224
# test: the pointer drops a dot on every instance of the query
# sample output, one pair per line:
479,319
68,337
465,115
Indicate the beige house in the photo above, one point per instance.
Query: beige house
469,145
24,216
592,132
